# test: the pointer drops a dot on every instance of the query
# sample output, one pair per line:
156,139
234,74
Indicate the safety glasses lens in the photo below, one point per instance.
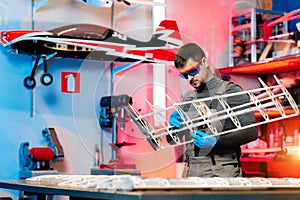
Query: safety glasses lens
192,72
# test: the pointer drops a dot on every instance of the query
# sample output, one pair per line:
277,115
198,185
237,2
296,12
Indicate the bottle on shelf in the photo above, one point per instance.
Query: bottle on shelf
296,142
271,140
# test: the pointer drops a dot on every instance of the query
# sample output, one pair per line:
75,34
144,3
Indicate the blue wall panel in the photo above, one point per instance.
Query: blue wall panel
287,6
76,113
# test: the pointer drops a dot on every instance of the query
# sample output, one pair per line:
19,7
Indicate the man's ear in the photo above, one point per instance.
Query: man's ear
205,62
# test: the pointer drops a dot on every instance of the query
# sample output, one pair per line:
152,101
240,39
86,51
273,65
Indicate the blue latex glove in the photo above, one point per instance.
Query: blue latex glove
175,119
204,143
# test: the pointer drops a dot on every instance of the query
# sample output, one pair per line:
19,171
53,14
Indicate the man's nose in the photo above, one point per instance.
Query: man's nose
190,77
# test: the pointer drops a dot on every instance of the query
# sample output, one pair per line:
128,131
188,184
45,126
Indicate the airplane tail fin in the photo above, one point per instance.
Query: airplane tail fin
169,32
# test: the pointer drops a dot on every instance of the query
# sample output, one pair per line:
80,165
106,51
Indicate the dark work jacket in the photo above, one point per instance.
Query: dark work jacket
227,143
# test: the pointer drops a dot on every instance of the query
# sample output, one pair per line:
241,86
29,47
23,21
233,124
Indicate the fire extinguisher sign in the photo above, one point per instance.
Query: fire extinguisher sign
70,82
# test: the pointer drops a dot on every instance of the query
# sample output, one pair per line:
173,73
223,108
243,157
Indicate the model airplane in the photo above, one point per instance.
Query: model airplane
156,134
87,41
108,3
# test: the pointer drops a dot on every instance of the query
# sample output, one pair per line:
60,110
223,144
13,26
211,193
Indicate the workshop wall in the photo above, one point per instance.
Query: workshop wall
207,24
201,23
25,113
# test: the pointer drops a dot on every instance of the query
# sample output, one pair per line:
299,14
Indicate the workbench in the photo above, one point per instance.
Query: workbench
238,193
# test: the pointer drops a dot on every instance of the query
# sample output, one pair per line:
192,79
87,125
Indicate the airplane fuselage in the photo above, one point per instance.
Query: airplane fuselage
100,44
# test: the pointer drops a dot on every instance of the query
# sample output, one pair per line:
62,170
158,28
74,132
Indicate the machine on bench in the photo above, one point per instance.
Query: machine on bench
36,160
112,112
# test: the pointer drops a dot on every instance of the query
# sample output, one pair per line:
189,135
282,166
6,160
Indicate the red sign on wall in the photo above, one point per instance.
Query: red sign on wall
70,82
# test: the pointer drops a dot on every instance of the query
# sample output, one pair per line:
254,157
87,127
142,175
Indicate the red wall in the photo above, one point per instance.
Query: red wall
204,22
137,83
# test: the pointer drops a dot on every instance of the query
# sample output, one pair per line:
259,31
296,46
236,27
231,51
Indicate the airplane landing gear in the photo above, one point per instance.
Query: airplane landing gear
29,82
46,78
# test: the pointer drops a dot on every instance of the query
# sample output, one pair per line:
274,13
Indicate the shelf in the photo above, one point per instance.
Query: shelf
290,63
275,113
241,27
243,12
247,26
264,150
290,149
247,52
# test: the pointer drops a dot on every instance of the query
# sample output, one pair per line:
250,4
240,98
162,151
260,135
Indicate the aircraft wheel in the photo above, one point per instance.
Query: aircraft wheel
46,79
29,82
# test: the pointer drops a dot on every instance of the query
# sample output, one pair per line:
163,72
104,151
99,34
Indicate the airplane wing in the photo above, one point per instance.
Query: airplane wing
147,3
155,134
98,3
108,3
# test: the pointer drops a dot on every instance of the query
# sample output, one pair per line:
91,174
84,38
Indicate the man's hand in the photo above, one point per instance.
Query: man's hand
175,119
203,142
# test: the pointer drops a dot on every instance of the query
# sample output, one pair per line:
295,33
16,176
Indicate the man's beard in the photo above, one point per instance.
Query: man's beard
200,86
196,84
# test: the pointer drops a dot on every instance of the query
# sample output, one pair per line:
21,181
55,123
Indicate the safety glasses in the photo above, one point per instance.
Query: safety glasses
191,72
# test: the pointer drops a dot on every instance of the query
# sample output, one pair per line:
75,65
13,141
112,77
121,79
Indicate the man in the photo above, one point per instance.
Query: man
213,156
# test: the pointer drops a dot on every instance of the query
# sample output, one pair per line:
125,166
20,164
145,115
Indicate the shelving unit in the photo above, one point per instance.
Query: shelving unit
271,66
268,68
274,113
248,27
286,65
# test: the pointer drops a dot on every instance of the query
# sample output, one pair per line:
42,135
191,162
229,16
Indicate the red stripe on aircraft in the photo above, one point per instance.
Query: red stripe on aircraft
12,35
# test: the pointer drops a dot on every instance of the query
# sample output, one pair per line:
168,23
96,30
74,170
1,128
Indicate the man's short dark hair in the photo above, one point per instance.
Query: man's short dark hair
187,51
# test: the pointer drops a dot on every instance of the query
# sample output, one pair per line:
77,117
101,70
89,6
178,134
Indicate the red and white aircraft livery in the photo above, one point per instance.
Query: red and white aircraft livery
88,41
109,3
